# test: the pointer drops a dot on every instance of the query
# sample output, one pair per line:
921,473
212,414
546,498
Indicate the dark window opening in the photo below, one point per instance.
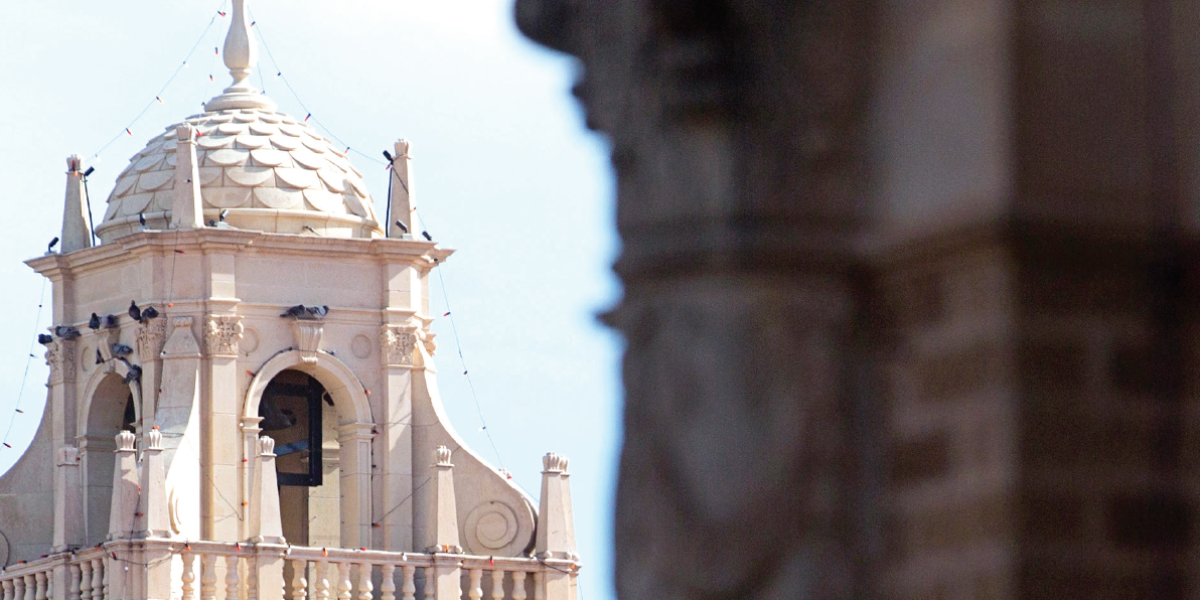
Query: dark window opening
291,414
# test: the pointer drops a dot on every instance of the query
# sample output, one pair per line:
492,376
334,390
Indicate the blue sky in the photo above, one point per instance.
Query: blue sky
506,174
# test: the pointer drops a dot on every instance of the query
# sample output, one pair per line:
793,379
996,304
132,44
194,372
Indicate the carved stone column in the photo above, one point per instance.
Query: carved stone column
734,129
395,440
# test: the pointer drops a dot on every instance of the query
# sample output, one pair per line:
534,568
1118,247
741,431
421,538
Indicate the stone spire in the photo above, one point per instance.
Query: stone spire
76,227
241,54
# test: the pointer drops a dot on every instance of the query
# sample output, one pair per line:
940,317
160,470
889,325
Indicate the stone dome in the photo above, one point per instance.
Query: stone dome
270,171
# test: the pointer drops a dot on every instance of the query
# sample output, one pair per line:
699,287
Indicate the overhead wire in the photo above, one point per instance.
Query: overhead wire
128,130
28,360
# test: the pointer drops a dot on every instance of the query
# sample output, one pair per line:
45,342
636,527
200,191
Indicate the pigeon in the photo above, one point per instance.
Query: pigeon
94,322
427,236
295,311
99,357
66,332
45,339
121,350
402,226
149,313
53,243
135,313
224,213
142,219
110,321
317,311
134,374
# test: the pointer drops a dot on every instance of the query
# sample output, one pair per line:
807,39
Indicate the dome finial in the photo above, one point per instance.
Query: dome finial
241,54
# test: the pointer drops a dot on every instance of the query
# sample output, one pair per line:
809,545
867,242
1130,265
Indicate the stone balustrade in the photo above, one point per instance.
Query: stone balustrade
224,570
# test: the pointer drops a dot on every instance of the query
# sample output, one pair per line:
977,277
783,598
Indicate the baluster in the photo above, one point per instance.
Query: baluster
99,579
322,580
189,575
74,592
387,582
7,584
252,578
497,585
39,591
430,583
365,585
108,562
231,577
208,577
518,585
30,587
476,591
344,585
409,587
299,583
539,585
85,581
18,584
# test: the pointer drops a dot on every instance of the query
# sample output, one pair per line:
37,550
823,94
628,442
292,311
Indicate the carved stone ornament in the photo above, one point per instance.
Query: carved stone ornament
221,335
554,463
441,457
150,339
398,343
68,456
308,339
60,356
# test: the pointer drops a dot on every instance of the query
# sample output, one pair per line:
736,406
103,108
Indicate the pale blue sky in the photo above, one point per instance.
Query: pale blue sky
506,174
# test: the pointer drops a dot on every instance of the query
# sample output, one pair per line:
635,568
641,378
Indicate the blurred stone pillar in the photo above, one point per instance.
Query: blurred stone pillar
953,242
736,132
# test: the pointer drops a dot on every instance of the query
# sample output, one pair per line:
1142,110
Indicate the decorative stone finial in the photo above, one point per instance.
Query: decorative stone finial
241,54
554,463
125,441
266,446
441,457
155,442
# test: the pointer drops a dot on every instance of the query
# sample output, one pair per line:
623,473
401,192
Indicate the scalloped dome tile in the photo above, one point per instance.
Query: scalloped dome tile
170,134
217,118
246,117
148,182
164,199
267,129
135,203
114,208
297,178
308,159
355,204
227,157
324,201
124,184
279,197
287,118
335,181
231,128
285,143
252,142
270,157
210,174
249,176
148,162
170,145
169,161
292,130
270,118
226,197
212,142
358,186
314,145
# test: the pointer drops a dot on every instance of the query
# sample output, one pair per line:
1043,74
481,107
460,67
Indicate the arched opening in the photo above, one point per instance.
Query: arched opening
110,410
300,415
